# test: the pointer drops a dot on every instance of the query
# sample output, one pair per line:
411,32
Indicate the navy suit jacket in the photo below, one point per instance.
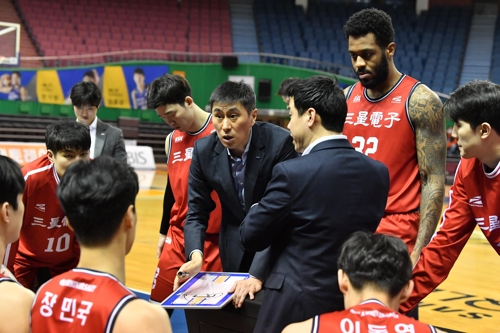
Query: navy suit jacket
210,170
311,206
109,141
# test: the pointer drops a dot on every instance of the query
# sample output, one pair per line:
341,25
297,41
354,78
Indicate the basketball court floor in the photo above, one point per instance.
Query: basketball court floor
468,301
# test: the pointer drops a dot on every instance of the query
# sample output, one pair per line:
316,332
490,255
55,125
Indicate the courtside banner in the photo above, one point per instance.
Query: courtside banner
141,157
48,87
114,89
138,79
68,77
18,85
23,152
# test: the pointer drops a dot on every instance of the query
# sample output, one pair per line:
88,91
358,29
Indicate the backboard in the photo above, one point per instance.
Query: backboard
10,38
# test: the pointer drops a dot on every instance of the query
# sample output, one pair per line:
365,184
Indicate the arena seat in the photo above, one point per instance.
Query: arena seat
495,63
434,42
75,27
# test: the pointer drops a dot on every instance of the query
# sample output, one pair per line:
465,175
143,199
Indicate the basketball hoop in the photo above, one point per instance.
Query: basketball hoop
10,37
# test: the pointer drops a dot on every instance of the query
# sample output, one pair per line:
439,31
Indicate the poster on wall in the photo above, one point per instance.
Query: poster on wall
69,77
18,85
127,86
121,86
114,89
250,80
138,79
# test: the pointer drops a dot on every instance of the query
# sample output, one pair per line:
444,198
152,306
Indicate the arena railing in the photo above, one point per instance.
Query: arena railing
160,55
196,57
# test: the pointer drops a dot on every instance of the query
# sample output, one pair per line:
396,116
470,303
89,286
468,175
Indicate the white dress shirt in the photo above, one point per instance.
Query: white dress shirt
93,129
325,138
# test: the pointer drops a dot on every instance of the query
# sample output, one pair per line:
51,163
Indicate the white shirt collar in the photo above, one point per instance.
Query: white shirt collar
93,130
93,126
322,139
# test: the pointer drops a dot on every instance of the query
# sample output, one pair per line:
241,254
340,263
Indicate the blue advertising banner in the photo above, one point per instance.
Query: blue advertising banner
18,85
121,86
70,77
138,79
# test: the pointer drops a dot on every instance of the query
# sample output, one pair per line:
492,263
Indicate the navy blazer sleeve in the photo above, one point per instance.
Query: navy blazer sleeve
261,264
287,150
267,219
200,206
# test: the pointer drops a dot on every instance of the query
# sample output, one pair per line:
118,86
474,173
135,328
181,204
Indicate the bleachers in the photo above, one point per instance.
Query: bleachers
443,37
495,63
430,47
76,27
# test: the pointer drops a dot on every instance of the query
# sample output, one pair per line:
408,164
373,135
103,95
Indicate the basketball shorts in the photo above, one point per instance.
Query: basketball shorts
404,226
173,257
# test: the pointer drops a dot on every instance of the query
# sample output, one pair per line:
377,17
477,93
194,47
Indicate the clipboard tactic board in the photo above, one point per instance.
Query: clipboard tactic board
205,290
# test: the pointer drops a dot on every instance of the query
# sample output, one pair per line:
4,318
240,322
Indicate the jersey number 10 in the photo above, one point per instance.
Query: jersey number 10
62,243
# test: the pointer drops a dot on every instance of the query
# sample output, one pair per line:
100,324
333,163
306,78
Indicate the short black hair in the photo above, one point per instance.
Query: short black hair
168,89
371,20
95,196
67,134
11,181
282,91
475,103
85,94
139,71
16,72
89,74
323,94
376,260
233,92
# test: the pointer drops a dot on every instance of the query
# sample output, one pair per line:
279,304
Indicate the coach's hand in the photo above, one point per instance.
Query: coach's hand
161,244
242,288
191,268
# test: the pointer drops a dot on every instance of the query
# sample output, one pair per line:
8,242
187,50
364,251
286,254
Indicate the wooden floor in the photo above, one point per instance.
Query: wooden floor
468,301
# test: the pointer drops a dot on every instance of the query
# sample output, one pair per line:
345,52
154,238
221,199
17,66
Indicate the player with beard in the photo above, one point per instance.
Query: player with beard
399,121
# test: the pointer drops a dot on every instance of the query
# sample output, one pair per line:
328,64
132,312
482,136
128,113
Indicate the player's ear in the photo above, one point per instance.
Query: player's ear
343,281
51,155
406,292
4,212
485,130
390,50
129,217
188,101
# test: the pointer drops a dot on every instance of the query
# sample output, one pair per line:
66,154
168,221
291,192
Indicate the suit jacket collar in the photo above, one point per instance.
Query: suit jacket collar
329,144
100,137
255,156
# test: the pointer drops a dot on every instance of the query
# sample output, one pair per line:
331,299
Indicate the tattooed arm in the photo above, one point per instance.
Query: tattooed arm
427,116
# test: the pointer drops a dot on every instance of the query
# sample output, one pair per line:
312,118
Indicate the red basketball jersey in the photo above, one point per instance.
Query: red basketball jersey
4,278
80,300
381,128
370,316
45,240
178,163
474,201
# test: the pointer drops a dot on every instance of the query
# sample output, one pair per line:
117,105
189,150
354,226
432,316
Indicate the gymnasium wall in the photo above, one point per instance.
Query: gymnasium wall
203,78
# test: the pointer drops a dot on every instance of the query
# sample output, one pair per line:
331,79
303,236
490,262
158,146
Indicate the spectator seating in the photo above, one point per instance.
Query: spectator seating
76,27
430,46
495,65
